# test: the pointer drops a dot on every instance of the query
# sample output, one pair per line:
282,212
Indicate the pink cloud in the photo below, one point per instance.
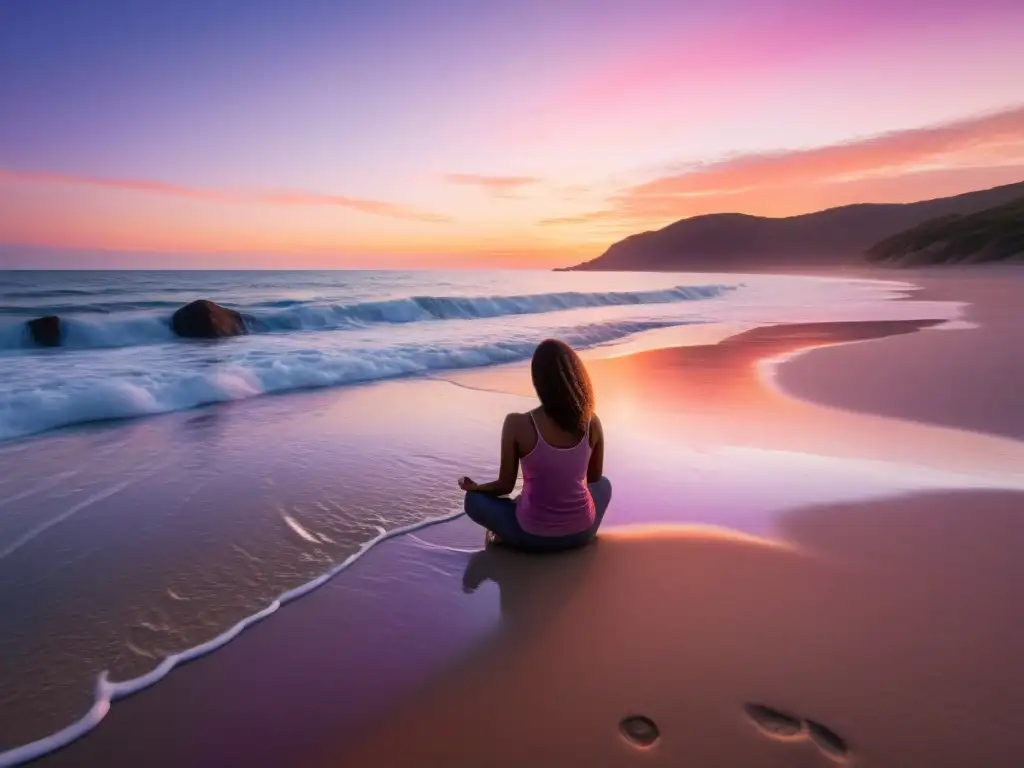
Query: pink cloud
492,183
995,138
718,67
897,167
582,218
265,197
698,68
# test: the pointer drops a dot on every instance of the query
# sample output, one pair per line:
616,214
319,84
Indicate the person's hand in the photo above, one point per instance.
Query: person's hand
466,484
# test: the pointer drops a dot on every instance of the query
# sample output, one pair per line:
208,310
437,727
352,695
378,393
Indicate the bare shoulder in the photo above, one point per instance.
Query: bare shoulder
519,423
596,429
519,427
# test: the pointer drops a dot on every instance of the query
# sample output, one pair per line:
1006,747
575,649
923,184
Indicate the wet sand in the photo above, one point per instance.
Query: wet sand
969,380
891,623
884,631
887,619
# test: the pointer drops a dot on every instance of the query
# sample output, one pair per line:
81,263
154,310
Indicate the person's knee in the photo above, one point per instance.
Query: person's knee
473,507
601,490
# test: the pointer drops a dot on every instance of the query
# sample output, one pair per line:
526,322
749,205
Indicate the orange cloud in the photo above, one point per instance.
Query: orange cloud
994,138
492,183
583,218
266,197
896,167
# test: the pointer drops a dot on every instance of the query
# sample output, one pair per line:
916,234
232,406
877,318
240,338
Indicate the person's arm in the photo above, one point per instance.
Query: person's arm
509,470
595,469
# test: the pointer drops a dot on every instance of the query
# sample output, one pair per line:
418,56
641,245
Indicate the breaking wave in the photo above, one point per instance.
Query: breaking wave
135,328
30,409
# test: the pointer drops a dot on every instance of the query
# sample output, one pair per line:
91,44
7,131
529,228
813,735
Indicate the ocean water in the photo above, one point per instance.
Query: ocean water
120,359
127,541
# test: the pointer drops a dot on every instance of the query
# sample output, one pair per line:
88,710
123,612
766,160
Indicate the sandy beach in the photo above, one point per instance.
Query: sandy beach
859,581
299,302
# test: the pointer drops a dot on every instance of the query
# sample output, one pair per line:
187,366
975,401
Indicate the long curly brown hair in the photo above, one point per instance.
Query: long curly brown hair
563,385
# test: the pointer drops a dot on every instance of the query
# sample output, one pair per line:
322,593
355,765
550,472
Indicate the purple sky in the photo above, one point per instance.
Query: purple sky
231,133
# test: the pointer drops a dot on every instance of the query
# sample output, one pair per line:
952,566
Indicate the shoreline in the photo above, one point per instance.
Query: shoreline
809,355
998,324
107,691
109,395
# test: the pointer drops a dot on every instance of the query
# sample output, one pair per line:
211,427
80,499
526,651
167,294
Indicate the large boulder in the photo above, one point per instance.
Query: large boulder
204,319
46,331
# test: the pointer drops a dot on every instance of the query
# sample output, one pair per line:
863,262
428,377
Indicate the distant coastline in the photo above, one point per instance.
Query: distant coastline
988,225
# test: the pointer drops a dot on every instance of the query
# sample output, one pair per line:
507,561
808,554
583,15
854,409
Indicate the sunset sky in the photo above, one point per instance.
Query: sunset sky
455,133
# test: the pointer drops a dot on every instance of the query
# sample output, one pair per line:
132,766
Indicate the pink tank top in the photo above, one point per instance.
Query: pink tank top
556,500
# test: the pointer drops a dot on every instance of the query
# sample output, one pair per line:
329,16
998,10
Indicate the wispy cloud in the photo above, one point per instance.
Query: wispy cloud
493,184
991,140
791,182
582,218
235,196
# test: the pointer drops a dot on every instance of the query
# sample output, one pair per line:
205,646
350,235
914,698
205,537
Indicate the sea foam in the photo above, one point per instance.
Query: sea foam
31,408
312,315
97,330
107,691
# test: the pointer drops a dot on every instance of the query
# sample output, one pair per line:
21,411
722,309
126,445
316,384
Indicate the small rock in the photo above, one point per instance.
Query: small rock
46,331
639,730
204,319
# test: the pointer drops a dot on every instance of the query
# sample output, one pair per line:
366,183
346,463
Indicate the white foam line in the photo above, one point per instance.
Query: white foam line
40,487
302,532
107,692
42,527
432,545
474,388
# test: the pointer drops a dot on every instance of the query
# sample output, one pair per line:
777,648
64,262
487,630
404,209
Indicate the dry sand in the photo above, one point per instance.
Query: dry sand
892,623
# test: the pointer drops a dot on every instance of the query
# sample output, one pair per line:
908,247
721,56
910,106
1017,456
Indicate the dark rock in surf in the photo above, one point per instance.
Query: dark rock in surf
46,331
204,319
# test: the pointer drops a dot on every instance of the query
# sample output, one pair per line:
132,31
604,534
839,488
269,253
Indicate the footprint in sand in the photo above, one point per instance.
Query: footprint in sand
639,731
827,740
773,722
781,725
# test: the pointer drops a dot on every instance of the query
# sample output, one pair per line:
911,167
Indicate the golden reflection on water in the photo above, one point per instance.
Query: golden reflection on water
691,532
714,394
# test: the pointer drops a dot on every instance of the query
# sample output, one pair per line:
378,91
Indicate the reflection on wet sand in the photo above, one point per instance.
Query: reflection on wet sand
704,377
152,536
718,394
888,623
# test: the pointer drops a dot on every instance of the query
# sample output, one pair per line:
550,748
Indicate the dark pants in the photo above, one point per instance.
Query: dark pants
498,514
